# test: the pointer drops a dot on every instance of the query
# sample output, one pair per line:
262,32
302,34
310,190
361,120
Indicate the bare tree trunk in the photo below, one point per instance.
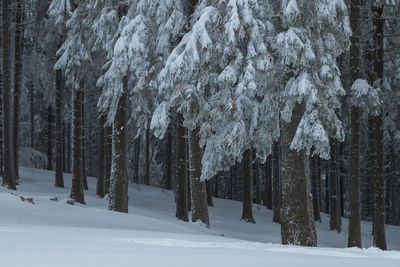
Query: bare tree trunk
100,188
137,154
1,113
107,158
180,177
59,182
84,176
119,177
354,238
32,114
168,153
393,191
341,175
268,183
247,211
147,174
297,221
335,219
216,185
69,147
50,137
231,183
198,188
77,180
17,79
314,187
276,183
256,174
209,193
327,197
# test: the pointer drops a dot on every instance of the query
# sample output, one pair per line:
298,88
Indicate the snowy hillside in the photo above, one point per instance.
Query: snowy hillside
53,233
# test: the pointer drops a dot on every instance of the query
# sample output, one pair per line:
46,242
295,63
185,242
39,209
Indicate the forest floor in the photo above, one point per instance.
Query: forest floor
54,233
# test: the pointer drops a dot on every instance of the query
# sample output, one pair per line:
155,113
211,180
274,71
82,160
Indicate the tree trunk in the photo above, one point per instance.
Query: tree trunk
17,79
256,174
216,185
297,221
59,182
276,183
341,175
147,174
209,193
198,188
100,164
247,211
354,238
335,218
32,114
1,113
119,177
231,183
394,189
268,183
327,197
49,138
84,176
69,147
180,176
137,154
168,153
107,158
77,181
377,140
314,187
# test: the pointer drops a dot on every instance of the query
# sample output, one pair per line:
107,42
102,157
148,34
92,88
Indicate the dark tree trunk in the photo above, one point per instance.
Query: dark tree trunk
17,79
209,193
377,135
335,218
180,177
198,188
341,176
327,197
1,112
84,176
268,183
231,183
314,187
32,114
354,238
189,189
119,176
77,181
137,154
247,211
297,221
168,153
276,183
147,174
394,189
216,185
256,180
50,137
107,158
69,147
100,164
59,182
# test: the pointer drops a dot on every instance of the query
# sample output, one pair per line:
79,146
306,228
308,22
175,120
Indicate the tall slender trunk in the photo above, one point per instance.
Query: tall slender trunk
1,112
84,176
198,187
247,211
354,238
77,181
209,193
314,187
100,189
119,176
297,221
50,138
393,191
276,182
107,158
268,183
216,185
335,218
341,176
137,154
256,174
168,153
17,79
231,183
59,181
180,175
377,140
327,197
32,114
147,173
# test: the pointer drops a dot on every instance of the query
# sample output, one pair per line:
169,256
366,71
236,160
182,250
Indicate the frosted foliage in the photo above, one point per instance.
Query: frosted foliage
60,10
318,32
366,97
219,78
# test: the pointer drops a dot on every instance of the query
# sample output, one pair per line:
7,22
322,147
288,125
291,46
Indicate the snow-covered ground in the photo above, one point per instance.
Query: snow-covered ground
53,233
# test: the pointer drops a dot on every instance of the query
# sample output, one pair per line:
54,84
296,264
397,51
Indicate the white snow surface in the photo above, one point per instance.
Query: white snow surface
53,233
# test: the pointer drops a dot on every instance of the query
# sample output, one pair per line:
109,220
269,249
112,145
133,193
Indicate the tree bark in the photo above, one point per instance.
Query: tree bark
69,147
84,176
276,183
17,79
77,180
198,188
180,175
100,188
314,187
59,181
209,193
297,221
137,154
107,158
1,113
354,238
147,174
49,138
247,211
268,183
119,176
256,174
168,153
335,218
